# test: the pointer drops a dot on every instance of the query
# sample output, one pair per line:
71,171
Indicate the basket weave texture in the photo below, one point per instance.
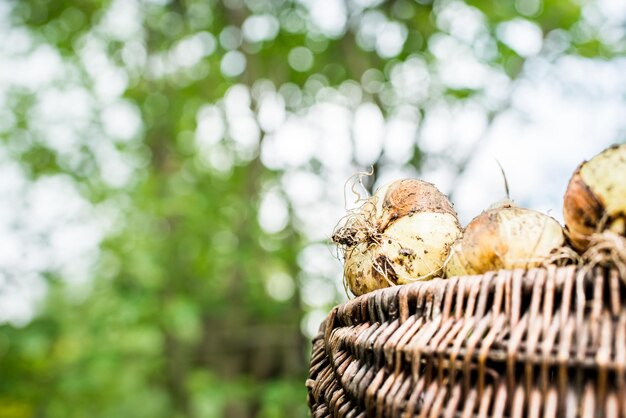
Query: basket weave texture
547,342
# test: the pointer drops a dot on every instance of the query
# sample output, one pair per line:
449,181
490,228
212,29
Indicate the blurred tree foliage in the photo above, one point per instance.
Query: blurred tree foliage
177,321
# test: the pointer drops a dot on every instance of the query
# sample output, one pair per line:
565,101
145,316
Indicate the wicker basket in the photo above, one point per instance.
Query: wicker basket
539,343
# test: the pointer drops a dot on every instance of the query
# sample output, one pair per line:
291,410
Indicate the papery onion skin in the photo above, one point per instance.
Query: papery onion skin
506,237
409,228
457,265
595,199
404,197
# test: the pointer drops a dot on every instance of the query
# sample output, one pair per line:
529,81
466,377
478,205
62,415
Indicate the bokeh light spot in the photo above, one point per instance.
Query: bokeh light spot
231,37
258,28
522,36
280,286
300,59
233,64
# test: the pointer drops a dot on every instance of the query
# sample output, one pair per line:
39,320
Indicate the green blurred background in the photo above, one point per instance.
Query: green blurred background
171,170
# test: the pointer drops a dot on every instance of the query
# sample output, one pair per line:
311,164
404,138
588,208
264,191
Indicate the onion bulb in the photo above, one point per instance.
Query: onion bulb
505,237
401,234
595,199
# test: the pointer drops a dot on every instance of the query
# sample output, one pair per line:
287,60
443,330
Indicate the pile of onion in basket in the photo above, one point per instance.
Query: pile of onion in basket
408,231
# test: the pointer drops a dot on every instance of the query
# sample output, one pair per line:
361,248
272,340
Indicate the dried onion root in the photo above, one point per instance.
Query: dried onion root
399,235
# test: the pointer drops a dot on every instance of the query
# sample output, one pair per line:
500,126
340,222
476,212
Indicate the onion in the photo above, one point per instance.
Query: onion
595,200
401,234
505,237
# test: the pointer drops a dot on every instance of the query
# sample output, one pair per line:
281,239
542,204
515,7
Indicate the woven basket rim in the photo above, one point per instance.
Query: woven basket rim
505,332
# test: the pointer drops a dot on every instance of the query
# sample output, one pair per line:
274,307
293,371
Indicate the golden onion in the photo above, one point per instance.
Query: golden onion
401,234
595,200
505,237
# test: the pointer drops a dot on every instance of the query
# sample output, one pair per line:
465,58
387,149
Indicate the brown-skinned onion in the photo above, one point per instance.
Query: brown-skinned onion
401,234
595,200
505,237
